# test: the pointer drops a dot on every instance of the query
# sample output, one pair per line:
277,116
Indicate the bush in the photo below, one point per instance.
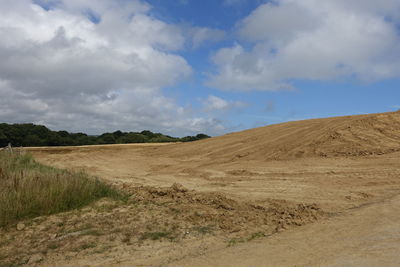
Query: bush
29,134
29,189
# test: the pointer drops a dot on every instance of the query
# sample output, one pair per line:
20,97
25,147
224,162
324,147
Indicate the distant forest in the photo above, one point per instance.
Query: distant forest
38,135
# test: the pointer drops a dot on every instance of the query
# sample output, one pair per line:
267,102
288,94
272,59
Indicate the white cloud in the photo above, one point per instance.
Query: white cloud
314,40
60,68
214,103
200,35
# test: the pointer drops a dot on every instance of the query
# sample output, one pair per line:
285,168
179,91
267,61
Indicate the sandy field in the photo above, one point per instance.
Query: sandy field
322,192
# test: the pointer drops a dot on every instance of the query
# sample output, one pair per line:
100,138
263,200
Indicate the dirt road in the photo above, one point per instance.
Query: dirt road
366,236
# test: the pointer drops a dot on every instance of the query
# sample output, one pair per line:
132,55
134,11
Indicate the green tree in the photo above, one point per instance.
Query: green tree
32,140
107,138
147,133
3,139
202,136
133,138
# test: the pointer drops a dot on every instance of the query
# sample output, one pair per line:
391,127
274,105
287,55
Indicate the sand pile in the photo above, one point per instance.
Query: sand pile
372,134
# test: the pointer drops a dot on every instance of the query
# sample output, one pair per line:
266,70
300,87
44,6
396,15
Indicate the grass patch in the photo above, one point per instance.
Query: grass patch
29,189
85,246
157,236
204,229
256,236
53,245
175,210
235,241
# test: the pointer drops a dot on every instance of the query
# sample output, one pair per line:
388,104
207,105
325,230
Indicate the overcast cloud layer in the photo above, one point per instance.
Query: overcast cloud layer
61,69
312,40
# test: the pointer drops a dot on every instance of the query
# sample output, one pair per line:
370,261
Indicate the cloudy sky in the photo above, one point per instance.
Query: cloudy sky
187,66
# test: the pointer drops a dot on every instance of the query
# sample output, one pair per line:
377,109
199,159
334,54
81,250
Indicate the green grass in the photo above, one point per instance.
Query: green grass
53,245
235,241
256,236
204,229
157,236
29,189
87,245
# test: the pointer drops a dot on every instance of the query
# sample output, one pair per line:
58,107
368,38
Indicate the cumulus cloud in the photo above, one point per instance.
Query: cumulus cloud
92,66
214,103
201,35
312,40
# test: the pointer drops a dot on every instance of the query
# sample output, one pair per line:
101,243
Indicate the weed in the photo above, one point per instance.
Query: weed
175,210
53,245
255,236
235,241
157,236
86,246
204,229
29,189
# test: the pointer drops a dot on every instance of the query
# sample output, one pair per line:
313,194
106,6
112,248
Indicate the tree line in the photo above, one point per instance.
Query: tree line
29,134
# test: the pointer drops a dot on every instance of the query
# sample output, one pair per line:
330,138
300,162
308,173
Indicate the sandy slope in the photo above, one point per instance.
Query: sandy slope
337,136
337,163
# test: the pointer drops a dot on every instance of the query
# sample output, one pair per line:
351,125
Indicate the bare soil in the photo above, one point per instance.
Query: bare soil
315,192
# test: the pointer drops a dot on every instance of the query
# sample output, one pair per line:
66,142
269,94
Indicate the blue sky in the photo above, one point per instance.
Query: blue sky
311,99
190,66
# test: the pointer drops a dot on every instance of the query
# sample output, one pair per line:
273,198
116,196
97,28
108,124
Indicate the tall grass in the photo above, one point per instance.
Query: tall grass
29,189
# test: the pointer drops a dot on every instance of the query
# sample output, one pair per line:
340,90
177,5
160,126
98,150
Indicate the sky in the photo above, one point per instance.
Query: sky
182,67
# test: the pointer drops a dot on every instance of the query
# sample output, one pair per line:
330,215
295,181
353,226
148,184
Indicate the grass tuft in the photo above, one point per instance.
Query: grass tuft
235,241
157,236
29,189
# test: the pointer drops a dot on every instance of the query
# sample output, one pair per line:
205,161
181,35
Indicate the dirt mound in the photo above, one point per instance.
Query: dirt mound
167,215
372,134
205,208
